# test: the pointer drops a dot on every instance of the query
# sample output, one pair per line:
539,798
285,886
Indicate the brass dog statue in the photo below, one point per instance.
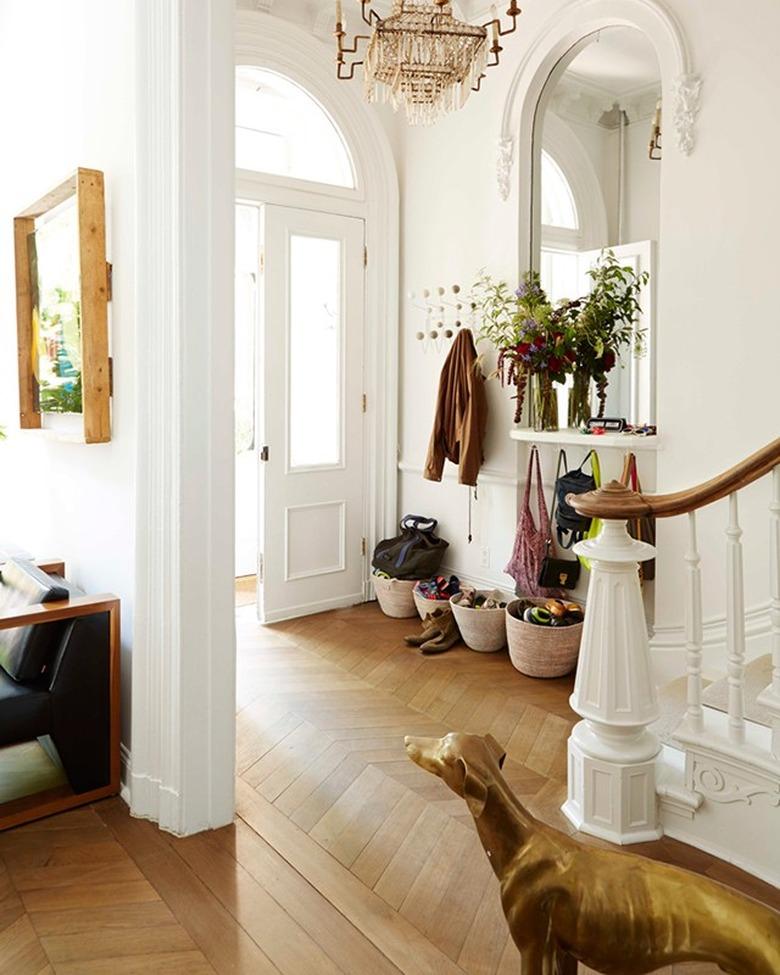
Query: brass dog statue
618,913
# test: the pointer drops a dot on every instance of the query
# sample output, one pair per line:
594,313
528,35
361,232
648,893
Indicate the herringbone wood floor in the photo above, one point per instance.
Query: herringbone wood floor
345,859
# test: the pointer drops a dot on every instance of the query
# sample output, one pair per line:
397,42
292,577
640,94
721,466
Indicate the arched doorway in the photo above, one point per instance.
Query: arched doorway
316,192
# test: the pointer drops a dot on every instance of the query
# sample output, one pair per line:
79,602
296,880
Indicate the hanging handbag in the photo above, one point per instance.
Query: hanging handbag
414,554
571,526
595,523
642,528
557,573
530,541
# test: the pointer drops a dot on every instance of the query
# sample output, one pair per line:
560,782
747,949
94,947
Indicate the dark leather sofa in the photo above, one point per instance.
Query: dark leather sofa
59,660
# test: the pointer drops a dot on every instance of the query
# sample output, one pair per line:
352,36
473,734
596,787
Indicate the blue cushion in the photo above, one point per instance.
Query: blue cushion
26,650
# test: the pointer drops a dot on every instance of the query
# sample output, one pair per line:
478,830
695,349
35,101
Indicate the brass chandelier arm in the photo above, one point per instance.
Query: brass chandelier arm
513,12
371,17
343,49
496,30
346,72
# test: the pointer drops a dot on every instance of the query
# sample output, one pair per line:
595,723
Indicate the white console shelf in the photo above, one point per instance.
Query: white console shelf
620,441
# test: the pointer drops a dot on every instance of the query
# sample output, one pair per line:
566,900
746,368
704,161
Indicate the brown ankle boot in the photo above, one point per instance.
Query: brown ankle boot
447,637
431,625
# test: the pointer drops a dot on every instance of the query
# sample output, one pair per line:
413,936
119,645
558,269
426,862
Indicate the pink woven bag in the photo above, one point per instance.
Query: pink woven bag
530,541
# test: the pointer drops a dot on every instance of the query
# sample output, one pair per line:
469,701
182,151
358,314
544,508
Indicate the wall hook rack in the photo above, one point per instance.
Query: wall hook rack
446,311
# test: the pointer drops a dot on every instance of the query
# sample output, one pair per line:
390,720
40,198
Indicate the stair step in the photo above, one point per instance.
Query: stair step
758,674
672,703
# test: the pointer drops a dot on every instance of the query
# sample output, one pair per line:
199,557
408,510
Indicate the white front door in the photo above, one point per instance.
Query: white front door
311,413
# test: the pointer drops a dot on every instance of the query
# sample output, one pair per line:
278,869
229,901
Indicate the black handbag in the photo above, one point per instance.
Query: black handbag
558,573
571,526
414,554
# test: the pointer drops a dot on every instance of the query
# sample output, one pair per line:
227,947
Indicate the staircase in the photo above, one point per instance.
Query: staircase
722,801
701,760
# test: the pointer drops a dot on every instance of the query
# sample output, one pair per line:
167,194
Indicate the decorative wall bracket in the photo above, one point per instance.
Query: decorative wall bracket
506,151
687,102
726,782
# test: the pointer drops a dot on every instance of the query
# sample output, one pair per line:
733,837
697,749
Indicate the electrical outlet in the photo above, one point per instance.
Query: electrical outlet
484,558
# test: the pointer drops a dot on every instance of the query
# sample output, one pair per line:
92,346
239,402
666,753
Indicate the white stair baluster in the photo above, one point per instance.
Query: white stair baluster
770,697
693,627
735,625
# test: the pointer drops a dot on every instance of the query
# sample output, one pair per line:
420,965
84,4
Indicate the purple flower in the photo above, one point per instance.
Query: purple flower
522,291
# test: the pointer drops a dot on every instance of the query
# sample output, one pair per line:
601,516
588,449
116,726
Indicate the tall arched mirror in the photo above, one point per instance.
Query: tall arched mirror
597,180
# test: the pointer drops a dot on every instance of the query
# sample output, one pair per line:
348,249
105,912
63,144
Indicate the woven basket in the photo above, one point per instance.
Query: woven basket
427,606
483,630
541,651
395,596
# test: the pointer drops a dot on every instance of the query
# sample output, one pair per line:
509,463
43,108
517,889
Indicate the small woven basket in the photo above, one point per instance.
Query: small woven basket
483,630
541,651
427,606
395,596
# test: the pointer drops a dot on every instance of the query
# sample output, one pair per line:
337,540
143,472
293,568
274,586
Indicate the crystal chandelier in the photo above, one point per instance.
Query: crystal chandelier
421,56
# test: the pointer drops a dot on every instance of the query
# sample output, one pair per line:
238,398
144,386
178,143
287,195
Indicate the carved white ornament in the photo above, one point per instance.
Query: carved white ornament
687,101
504,166
719,785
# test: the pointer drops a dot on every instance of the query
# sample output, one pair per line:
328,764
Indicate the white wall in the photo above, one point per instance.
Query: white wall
67,100
718,340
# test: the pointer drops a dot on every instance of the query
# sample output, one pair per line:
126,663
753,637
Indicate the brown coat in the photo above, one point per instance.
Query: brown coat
461,414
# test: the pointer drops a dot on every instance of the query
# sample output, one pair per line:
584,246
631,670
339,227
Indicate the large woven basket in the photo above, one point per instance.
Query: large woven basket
541,651
483,630
395,596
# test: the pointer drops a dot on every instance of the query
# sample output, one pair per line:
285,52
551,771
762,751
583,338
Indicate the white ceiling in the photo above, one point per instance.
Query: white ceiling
621,60
315,14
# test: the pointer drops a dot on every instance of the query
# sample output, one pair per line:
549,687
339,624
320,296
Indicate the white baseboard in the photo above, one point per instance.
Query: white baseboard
126,762
309,609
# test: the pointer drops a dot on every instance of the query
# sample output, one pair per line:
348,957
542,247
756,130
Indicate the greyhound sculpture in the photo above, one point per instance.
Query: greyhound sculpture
618,913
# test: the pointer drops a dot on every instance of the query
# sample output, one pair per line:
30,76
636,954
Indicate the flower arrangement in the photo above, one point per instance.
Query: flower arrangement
584,336
531,336
607,324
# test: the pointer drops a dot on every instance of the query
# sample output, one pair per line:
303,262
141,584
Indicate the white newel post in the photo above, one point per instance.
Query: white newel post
612,754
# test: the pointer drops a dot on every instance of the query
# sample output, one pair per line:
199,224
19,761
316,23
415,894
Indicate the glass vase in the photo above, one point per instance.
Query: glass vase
544,397
579,400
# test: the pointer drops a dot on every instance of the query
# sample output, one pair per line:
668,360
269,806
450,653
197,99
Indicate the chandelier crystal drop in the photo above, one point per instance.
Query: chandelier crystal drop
421,56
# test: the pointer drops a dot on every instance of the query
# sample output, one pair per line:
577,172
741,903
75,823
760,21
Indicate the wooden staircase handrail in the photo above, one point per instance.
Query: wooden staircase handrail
615,501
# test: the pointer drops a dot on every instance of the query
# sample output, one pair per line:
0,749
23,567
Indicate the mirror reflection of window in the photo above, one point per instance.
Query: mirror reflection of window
599,187
54,263
560,232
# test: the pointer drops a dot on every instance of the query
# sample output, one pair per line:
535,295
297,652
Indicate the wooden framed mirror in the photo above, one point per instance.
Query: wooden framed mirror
62,295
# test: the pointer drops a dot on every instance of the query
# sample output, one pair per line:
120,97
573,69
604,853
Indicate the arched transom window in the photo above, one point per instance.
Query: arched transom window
283,131
559,209
561,234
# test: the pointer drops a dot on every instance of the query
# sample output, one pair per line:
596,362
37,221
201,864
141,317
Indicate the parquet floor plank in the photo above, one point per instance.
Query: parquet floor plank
355,954
21,953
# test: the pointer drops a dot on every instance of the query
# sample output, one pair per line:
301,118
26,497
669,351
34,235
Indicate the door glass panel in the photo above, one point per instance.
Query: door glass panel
315,400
